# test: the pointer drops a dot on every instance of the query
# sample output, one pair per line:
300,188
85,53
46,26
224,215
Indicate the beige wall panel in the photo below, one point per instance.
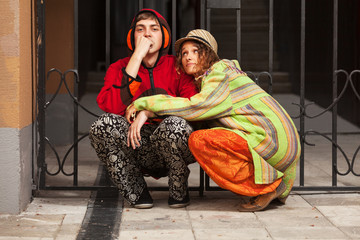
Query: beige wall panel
9,64
25,87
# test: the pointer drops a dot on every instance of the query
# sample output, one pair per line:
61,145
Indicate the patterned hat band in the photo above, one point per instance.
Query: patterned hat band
200,38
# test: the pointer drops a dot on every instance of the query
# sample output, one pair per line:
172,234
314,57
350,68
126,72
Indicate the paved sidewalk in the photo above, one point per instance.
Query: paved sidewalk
61,215
54,215
214,216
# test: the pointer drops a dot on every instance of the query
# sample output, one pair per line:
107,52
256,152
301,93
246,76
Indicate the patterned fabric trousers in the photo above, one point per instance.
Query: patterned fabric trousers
163,152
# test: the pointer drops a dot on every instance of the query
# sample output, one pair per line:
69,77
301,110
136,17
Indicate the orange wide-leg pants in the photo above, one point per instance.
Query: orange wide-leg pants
226,159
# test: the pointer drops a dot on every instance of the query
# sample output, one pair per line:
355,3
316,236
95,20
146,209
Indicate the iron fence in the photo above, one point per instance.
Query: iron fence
42,142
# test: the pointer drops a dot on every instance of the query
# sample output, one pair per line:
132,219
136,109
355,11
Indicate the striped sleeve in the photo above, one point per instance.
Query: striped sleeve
213,101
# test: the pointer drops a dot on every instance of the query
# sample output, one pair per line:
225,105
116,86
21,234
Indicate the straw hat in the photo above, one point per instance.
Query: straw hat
199,35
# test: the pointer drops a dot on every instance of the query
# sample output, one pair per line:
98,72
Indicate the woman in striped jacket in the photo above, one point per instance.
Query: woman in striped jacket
251,146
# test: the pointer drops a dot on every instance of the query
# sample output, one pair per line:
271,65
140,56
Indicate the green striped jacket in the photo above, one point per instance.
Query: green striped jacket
231,100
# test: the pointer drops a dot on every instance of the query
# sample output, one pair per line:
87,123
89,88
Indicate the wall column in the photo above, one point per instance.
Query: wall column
15,105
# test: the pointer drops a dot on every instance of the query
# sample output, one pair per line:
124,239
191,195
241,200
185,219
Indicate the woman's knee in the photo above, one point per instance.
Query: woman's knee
197,139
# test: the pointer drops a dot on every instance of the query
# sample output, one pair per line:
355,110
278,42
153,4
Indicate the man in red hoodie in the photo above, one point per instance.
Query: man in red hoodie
163,149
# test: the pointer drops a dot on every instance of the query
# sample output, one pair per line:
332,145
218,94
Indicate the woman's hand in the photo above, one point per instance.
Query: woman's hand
130,114
133,136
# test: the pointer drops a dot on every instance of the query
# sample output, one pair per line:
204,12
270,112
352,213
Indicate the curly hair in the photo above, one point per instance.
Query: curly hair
207,57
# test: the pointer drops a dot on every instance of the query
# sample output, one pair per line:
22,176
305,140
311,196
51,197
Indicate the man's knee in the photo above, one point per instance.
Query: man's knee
176,124
174,120
106,122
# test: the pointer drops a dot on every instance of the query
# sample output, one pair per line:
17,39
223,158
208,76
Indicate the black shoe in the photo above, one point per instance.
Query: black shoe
173,203
145,200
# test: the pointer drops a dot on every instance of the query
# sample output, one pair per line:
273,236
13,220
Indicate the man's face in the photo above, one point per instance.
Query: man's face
150,29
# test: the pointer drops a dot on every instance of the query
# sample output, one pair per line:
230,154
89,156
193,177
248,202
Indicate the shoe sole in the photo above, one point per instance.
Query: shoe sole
282,200
281,191
144,206
179,205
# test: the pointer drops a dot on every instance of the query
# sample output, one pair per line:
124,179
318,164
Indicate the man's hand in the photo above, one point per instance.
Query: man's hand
133,136
143,45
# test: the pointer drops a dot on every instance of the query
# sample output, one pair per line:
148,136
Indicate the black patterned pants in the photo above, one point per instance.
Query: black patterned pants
163,152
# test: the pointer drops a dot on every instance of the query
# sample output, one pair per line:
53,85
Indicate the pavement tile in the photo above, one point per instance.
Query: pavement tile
153,224
340,210
295,213
153,215
25,238
303,232
220,233
150,220
160,217
58,206
287,210
277,220
223,220
220,201
345,221
224,205
157,212
30,225
353,232
51,218
70,227
171,234
330,199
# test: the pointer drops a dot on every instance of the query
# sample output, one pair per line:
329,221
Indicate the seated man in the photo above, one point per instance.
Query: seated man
163,149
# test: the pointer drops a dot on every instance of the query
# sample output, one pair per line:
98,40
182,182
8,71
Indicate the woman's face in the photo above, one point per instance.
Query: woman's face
190,57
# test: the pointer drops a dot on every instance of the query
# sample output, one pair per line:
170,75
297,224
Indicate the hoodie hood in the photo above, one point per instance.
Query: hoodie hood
165,30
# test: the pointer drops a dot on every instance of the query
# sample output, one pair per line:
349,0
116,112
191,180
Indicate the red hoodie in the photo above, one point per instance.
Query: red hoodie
120,89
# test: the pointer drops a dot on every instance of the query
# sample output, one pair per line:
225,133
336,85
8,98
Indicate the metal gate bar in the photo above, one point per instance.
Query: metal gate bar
302,91
40,5
335,89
